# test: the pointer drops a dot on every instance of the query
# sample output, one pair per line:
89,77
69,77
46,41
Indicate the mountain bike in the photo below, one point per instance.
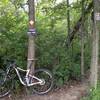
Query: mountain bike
40,82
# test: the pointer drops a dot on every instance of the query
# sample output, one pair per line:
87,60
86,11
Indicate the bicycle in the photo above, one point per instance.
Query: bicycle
40,82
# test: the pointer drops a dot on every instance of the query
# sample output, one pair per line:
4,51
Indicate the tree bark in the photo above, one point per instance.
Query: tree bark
31,38
68,17
71,35
82,41
95,45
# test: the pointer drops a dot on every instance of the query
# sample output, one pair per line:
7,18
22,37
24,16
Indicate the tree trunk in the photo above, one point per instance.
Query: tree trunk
95,45
68,17
76,28
31,41
82,41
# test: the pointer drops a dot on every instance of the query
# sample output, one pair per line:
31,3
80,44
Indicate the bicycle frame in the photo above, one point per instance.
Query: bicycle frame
27,77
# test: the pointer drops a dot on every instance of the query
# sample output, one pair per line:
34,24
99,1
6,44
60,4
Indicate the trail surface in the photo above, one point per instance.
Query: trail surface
73,92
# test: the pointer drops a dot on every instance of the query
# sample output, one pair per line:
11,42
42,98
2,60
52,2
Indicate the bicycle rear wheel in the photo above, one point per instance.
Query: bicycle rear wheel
47,84
5,84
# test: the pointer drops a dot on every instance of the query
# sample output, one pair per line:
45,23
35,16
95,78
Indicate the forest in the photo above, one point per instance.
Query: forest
66,41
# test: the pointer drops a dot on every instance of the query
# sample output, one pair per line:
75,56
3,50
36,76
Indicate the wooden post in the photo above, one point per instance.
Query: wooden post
31,36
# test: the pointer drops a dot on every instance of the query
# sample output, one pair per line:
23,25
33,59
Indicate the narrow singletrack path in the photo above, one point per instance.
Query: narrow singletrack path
72,92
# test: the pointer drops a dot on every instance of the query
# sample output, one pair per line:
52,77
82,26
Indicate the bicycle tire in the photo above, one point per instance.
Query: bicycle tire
44,88
5,84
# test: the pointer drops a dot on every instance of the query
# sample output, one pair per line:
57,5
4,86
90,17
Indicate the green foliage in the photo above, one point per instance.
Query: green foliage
52,54
61,75
51,25
94,94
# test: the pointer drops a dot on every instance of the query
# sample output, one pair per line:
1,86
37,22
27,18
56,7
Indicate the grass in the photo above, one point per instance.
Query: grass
94,94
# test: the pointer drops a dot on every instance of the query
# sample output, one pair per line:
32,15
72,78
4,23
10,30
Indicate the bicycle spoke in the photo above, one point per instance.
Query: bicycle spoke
47,83
5,84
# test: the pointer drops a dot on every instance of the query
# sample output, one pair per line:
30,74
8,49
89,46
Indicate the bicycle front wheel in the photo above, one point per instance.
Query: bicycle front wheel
47,84
5,84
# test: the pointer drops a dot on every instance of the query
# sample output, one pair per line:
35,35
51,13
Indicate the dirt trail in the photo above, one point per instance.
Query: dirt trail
73,92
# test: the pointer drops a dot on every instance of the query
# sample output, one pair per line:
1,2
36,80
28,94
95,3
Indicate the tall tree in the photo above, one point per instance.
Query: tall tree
95,44
82,40
77,25
68,17
31,34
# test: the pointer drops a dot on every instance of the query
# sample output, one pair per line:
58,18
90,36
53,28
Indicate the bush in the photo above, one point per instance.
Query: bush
51,51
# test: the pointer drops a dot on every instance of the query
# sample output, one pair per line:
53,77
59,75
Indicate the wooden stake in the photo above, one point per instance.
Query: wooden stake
31,35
